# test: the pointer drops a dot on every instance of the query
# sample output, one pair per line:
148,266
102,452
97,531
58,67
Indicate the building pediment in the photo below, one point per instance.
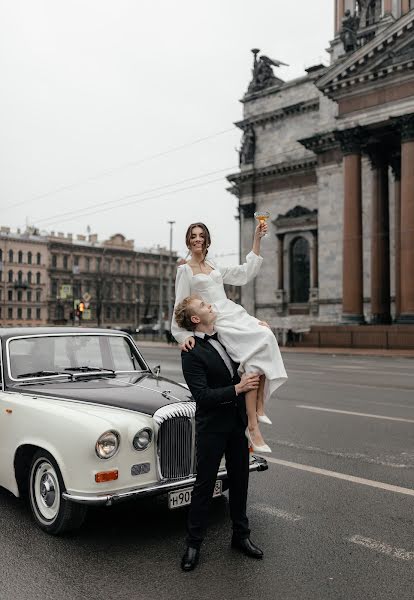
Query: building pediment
390,53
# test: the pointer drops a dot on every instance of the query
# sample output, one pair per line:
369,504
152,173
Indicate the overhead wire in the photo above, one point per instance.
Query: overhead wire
107,172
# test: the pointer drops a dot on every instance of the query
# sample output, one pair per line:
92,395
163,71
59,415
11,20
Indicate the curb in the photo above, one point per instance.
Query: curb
397,352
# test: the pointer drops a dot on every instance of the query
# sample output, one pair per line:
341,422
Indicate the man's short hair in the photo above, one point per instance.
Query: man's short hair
183,313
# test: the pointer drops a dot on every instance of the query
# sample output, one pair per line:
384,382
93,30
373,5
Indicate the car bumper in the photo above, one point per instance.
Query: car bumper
256,464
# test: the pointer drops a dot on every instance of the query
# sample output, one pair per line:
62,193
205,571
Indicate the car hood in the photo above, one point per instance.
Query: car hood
144,393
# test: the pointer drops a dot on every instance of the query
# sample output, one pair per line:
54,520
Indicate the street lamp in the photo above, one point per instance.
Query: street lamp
171,223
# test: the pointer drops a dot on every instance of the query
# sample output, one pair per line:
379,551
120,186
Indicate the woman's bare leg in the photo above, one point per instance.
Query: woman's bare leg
260,396
251,409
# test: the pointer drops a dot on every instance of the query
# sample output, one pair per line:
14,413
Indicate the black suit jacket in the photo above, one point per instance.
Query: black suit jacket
219,409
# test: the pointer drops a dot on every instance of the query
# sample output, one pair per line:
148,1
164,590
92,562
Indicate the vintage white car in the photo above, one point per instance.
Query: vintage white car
85,421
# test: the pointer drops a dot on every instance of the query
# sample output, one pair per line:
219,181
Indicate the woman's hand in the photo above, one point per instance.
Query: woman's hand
264,324
188,344
261,230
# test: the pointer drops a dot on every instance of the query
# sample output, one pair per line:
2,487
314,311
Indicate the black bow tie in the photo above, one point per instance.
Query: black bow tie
211,337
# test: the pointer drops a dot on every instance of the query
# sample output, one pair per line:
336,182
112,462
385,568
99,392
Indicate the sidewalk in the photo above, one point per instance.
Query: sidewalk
398,352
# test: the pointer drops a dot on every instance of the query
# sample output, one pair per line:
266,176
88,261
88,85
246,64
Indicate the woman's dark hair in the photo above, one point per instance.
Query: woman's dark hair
207,237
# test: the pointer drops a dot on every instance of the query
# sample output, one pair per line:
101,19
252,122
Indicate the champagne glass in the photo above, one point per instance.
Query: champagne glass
262,216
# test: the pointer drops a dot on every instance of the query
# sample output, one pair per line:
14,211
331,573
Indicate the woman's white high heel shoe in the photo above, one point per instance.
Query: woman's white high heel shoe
264,448
264,419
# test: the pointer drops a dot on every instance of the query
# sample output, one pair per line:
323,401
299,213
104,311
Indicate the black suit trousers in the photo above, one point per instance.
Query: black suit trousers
210,448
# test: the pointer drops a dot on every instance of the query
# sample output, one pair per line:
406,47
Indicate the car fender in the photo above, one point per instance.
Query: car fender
52,423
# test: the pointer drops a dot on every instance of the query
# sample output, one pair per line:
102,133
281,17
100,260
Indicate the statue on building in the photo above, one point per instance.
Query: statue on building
349,31
247,150
263,75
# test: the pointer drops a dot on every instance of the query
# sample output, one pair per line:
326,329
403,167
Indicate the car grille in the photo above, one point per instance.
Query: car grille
175,440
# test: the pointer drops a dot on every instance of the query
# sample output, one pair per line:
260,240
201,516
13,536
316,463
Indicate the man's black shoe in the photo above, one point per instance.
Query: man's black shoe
190,559
246,546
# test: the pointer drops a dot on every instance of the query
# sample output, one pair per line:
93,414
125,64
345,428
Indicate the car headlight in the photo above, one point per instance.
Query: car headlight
107,444
142,439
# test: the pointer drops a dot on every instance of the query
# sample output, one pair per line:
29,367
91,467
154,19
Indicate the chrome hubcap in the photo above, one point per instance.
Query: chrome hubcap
47,490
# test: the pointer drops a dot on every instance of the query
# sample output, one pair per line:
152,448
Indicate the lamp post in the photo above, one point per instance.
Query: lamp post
171,223
160,298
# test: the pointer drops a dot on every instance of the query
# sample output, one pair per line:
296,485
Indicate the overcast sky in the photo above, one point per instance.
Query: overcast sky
106,104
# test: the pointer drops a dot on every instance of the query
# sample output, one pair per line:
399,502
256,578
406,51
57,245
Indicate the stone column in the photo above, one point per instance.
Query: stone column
280,262
405,6
314,266
352,269
280,292
339,13
380,242
396,169
407,219
387,7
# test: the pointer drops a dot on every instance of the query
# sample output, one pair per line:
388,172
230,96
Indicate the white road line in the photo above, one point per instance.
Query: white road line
358,414
369,482
381,547
277,512
351,455
322,372
335,384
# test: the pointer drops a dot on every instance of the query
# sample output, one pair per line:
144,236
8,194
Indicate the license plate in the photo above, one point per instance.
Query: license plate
183,497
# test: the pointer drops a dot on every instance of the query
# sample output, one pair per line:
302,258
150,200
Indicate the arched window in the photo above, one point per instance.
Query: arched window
29,258
11,256
20,257
299,270
37,278
29,277
10,276
38,258
20,277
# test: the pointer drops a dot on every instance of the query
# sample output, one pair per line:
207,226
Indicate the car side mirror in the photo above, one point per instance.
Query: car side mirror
157,370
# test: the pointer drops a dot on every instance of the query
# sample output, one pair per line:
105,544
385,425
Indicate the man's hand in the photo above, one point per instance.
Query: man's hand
264,324
248,382
188,344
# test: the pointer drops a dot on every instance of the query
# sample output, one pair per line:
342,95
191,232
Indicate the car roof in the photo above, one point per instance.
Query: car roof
8,332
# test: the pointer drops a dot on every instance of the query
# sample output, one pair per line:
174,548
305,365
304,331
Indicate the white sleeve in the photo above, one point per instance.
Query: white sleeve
242,274
182,290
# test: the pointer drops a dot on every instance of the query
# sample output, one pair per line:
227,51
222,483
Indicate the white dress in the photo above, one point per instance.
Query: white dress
252,345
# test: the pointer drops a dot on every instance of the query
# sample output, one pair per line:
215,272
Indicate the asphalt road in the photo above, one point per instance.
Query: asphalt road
333,514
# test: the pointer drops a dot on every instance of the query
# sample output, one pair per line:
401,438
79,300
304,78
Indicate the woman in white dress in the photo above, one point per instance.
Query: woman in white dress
247,340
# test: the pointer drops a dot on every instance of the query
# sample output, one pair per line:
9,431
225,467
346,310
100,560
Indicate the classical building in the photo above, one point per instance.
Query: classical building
330,155
23,278
118,285
44,278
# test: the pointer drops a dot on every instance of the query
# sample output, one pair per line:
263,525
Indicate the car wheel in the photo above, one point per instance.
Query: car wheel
51,512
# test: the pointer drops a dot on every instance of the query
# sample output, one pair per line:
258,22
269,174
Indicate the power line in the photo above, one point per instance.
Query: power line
142,200
114,203
78,212
107,172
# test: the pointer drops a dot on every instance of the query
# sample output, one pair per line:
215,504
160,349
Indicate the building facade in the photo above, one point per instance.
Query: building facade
45,278
330,155
23,278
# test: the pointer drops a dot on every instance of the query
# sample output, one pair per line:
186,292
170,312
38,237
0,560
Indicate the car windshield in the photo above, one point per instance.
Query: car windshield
57,355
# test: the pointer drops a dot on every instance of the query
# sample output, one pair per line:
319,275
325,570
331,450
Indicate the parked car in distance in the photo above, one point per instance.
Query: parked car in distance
85,421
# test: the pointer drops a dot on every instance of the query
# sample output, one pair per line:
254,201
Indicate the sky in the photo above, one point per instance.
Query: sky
116,116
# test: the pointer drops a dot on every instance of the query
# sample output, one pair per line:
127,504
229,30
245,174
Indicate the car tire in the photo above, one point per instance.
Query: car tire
51,512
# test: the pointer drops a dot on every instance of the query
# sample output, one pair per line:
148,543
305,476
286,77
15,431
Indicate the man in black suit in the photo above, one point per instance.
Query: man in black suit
221,422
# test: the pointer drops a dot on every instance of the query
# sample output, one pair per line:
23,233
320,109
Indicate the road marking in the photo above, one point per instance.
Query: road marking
277,512
381,547
360,385
322,372
358,414
351,455
369,482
